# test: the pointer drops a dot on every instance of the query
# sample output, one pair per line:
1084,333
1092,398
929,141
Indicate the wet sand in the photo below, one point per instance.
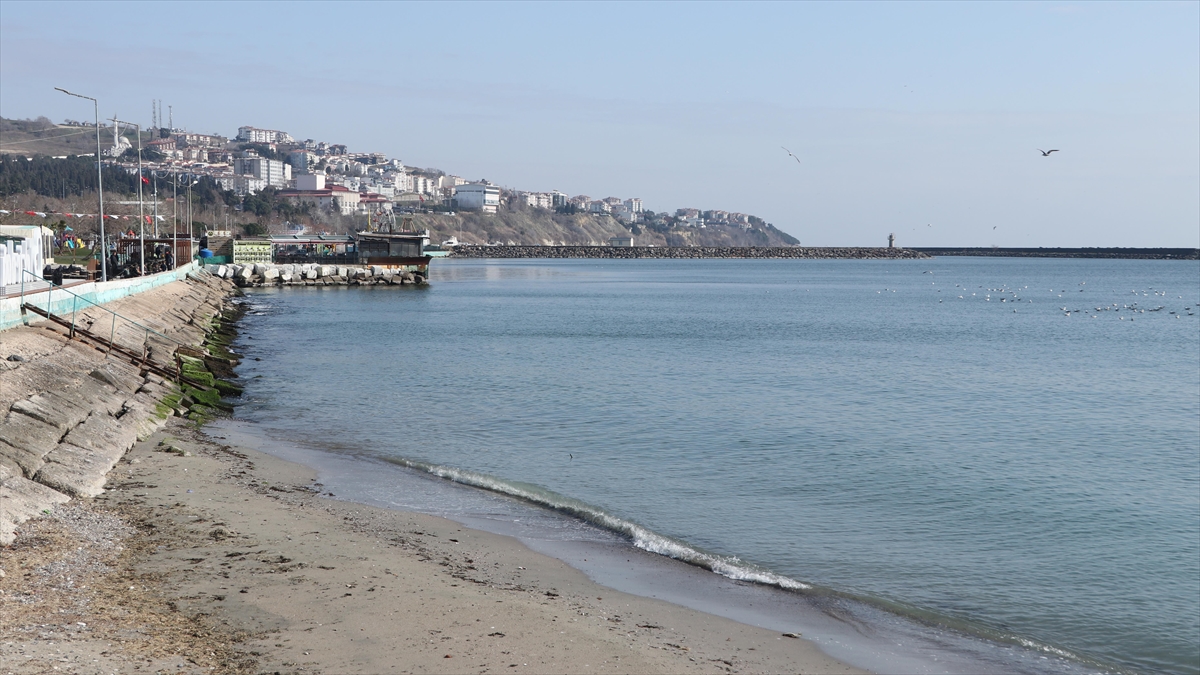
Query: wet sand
205,558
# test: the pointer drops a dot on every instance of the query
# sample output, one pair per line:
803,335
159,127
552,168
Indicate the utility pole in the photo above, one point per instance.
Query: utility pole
99,183
141,203
175,223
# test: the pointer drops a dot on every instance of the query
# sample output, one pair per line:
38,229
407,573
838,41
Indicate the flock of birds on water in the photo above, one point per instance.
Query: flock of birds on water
1012,296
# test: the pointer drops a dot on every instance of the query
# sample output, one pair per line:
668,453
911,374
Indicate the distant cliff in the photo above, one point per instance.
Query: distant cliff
539,227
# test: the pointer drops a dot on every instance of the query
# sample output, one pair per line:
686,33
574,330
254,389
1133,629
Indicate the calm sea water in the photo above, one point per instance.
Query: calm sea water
1009,447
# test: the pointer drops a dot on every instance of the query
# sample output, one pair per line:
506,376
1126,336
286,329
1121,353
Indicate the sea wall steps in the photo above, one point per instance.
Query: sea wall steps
313,274
72,409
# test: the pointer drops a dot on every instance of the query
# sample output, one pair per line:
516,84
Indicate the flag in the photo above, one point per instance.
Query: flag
145,180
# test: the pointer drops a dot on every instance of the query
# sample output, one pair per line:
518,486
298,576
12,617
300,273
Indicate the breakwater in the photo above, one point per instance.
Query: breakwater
683,252
72,407
313,274
1111,252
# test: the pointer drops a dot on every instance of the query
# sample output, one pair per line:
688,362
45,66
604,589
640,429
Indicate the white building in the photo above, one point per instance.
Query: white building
273,171
634,205
482,196
538,200
255,135
303,161
311,181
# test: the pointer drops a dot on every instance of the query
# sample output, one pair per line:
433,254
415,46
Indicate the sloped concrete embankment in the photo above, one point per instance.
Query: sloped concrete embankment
72,409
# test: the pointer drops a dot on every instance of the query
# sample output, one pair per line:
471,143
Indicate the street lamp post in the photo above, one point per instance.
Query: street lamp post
99,183
141,203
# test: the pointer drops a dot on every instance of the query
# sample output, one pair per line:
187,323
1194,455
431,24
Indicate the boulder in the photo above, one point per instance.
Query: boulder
311,274
286,277
271,274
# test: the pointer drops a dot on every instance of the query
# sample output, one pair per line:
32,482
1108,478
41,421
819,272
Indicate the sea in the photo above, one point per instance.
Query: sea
965,465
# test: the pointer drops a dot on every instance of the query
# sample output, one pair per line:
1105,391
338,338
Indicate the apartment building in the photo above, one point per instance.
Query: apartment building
273,171
483,196
256,135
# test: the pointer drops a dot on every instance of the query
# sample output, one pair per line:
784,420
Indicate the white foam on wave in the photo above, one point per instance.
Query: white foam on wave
639,536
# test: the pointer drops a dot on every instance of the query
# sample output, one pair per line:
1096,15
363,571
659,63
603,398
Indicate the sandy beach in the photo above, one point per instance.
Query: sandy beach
205,558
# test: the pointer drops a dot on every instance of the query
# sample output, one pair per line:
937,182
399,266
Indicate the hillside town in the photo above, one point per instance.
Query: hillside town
329,177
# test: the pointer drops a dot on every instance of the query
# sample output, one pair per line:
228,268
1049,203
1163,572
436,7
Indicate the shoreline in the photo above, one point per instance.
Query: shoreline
233,549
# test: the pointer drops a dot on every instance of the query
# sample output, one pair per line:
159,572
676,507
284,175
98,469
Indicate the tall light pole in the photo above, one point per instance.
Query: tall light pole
99,183
141,204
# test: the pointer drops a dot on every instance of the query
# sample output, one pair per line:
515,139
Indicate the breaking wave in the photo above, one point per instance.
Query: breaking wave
639,536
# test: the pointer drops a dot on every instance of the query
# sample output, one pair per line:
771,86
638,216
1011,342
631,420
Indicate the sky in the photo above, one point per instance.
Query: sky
919,119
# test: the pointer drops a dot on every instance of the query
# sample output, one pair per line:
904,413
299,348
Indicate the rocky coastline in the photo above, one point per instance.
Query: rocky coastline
685,252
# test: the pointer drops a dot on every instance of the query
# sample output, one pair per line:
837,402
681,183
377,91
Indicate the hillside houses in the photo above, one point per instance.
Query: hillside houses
331,177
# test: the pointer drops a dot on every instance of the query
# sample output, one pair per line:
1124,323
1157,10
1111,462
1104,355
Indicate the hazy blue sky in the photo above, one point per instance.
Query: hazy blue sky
918,119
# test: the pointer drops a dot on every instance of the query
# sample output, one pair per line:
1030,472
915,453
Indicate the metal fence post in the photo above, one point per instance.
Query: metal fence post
74,309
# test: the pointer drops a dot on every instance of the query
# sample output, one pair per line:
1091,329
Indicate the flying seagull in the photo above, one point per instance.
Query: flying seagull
789,152
1046,153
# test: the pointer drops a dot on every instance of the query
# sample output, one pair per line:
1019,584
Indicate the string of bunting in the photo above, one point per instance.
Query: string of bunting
44,214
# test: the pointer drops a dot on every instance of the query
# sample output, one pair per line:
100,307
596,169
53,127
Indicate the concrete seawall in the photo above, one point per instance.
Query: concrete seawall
685,252
71,409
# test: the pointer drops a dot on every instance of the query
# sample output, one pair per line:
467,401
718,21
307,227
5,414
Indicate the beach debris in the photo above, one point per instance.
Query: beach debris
648,625
791,635
496,634
15,358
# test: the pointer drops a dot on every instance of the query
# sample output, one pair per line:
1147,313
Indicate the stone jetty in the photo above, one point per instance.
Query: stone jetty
616,252
71,408
312,274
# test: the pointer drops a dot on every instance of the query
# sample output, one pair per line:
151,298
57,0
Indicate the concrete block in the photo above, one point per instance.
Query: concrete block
22,499
25,441
310,274
20,460
270,274
94,394
221,271
53,409
76,471
102,432
120,376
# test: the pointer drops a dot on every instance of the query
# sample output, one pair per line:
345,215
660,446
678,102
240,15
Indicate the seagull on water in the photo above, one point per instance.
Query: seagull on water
1046,153
789,152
